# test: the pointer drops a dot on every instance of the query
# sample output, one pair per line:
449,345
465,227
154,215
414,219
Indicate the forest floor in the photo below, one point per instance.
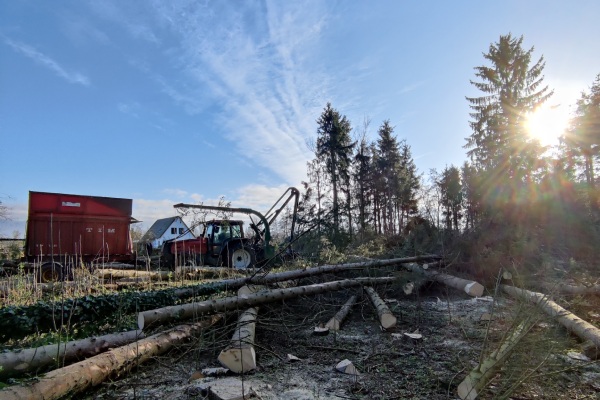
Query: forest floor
545,364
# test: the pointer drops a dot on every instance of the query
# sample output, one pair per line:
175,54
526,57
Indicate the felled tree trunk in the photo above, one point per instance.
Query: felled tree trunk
336,321
29,360
576,290
186,311
308,272
471,288
240,355
572,322
386,318
123,273
480,376
93,371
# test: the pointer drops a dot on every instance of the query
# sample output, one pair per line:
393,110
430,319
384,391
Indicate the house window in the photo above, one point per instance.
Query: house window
181,231
173,231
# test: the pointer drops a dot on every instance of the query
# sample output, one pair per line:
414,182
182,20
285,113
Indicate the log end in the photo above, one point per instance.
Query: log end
388,321
238,360
141,321
466,390
474,289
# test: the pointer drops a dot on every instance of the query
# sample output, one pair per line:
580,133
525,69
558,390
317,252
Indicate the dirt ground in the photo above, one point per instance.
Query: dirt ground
546,364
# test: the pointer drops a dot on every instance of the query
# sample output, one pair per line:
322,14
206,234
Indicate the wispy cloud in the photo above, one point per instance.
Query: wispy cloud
81,32
131,109
44,60
256,63
134,24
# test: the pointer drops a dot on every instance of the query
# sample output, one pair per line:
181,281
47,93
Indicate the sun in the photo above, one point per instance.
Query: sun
548,123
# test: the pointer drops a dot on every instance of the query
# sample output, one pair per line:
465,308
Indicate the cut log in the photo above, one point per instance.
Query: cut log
240,355
186,311
321,330
206,272
346,367
575,290
16,363
480,376
335,322
386,318
91,372
128,273
471,288
572,322
235,283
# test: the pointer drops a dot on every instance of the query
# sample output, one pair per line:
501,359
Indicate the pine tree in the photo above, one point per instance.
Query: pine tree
512,88
334,149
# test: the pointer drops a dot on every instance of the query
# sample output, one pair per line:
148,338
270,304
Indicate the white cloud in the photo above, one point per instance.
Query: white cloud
44,60
256,63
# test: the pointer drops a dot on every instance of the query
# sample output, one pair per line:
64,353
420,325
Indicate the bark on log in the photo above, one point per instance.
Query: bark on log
28,360
232,284
127,273
480,376
186,311
240,356
206,272
572,322
575,290
386,318
336,321
471,288
93,371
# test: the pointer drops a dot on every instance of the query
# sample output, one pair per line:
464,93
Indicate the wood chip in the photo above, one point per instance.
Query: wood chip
346,367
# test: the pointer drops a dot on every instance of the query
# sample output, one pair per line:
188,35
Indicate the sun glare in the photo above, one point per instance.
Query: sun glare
548,123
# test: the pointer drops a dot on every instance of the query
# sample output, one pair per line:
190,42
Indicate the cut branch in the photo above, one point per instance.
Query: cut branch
386,318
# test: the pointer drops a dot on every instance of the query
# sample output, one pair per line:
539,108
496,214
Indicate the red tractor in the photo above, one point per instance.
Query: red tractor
223,242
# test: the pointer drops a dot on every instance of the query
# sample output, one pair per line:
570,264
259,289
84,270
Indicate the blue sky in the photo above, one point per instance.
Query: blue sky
185,101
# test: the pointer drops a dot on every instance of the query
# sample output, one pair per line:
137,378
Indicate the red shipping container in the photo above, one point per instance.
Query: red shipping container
66,226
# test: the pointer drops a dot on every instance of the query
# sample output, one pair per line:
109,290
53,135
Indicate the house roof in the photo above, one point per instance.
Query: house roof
160,226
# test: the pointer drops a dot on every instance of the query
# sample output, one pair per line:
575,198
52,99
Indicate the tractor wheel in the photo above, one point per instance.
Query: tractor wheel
240,257
50,272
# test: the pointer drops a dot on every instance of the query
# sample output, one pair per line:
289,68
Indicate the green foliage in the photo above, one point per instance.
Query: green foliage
18,321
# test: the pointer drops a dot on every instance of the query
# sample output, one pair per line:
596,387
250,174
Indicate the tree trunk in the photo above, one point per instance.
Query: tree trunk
93,371
186,311
573,290
335,322
124,273
479,377
308,272
572,322
29,360
386,318
240,356
471,288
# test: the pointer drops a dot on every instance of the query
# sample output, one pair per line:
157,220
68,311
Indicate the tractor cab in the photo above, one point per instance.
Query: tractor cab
219,233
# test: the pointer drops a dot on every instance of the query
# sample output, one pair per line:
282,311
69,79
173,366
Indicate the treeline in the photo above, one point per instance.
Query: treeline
512,188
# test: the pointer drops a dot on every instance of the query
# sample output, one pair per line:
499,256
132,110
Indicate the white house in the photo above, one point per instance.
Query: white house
167,229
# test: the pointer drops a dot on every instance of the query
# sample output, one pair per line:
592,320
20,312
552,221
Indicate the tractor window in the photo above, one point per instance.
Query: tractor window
236,231
224,234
